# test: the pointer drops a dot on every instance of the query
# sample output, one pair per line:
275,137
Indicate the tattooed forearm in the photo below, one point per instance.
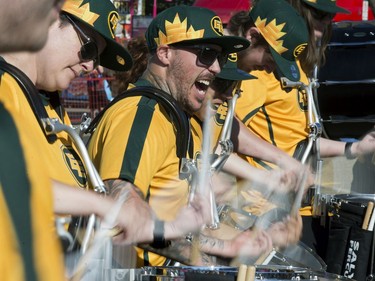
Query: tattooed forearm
182,250
115,187
210,244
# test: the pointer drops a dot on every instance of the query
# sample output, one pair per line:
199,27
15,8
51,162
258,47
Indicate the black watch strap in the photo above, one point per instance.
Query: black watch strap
159,240
348,151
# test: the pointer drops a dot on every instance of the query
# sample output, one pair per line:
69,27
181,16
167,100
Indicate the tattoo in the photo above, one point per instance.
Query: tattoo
190,253
208,243
156,80
117,186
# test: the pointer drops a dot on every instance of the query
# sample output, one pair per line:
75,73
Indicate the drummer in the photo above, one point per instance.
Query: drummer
184,67
221,91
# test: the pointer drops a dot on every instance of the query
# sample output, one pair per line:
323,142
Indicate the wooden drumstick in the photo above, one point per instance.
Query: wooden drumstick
266,257
115,231
370,207
372,222
241,272
250,273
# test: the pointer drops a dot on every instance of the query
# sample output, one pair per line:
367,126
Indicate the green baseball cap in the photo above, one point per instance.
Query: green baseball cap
231,72
191,25
328,6
102,16
285,31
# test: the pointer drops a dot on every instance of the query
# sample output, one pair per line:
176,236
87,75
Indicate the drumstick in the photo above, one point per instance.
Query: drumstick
115,231
250,273
372,222
266,257
241,273
370,207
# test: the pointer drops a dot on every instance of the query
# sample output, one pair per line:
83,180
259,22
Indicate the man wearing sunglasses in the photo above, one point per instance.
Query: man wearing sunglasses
134,146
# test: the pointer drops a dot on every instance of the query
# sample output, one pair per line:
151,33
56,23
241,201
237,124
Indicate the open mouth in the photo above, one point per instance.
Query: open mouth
202,84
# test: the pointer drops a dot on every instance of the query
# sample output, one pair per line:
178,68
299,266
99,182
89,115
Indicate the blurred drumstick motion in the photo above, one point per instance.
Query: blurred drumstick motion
195,254
366,220
250,273
101,241
300,192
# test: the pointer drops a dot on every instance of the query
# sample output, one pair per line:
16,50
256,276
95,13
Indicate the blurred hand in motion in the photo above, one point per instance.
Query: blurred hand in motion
286,232
252,243
190,219
135,219
365,146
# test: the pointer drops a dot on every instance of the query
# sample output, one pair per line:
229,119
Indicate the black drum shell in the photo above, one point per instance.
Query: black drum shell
346,96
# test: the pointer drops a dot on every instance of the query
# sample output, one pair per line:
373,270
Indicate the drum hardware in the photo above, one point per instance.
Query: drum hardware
85,123
236,218
54,126
241,273
63,234
315,129
226,146
225,142
189,171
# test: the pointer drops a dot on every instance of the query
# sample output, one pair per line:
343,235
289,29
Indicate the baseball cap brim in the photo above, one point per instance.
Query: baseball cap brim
330,7
229,44
286,68
114,55
235,74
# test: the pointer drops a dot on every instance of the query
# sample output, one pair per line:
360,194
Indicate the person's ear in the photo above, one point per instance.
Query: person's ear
254,35
163,53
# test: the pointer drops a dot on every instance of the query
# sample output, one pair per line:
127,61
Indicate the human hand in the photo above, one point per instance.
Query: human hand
365,146
190,219
134,221
251,243
294,169
286,232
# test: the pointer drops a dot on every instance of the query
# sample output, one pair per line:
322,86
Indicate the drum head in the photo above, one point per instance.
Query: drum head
304,256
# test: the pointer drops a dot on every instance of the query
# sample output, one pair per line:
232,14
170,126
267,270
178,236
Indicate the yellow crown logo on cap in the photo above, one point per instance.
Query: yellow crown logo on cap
272,32
177,31
312,1
232,57
83,12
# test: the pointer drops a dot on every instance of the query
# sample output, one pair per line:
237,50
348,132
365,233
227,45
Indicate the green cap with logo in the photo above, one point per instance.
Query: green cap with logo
231,72
191,25
328,6
102,16
285,31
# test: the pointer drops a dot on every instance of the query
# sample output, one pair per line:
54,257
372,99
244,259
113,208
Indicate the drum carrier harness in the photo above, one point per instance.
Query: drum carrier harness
179,118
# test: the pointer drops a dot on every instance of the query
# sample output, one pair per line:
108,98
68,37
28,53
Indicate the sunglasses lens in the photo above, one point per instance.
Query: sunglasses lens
223,58
89,51
222,85
207,56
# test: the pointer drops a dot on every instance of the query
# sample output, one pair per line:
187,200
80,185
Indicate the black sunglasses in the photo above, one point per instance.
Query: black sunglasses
89,49
207,55
321,15
222,85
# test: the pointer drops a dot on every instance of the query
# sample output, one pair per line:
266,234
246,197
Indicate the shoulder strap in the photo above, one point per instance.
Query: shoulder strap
31,93
179,117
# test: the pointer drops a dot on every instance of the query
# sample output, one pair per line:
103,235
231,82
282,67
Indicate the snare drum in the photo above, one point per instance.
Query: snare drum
187,273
